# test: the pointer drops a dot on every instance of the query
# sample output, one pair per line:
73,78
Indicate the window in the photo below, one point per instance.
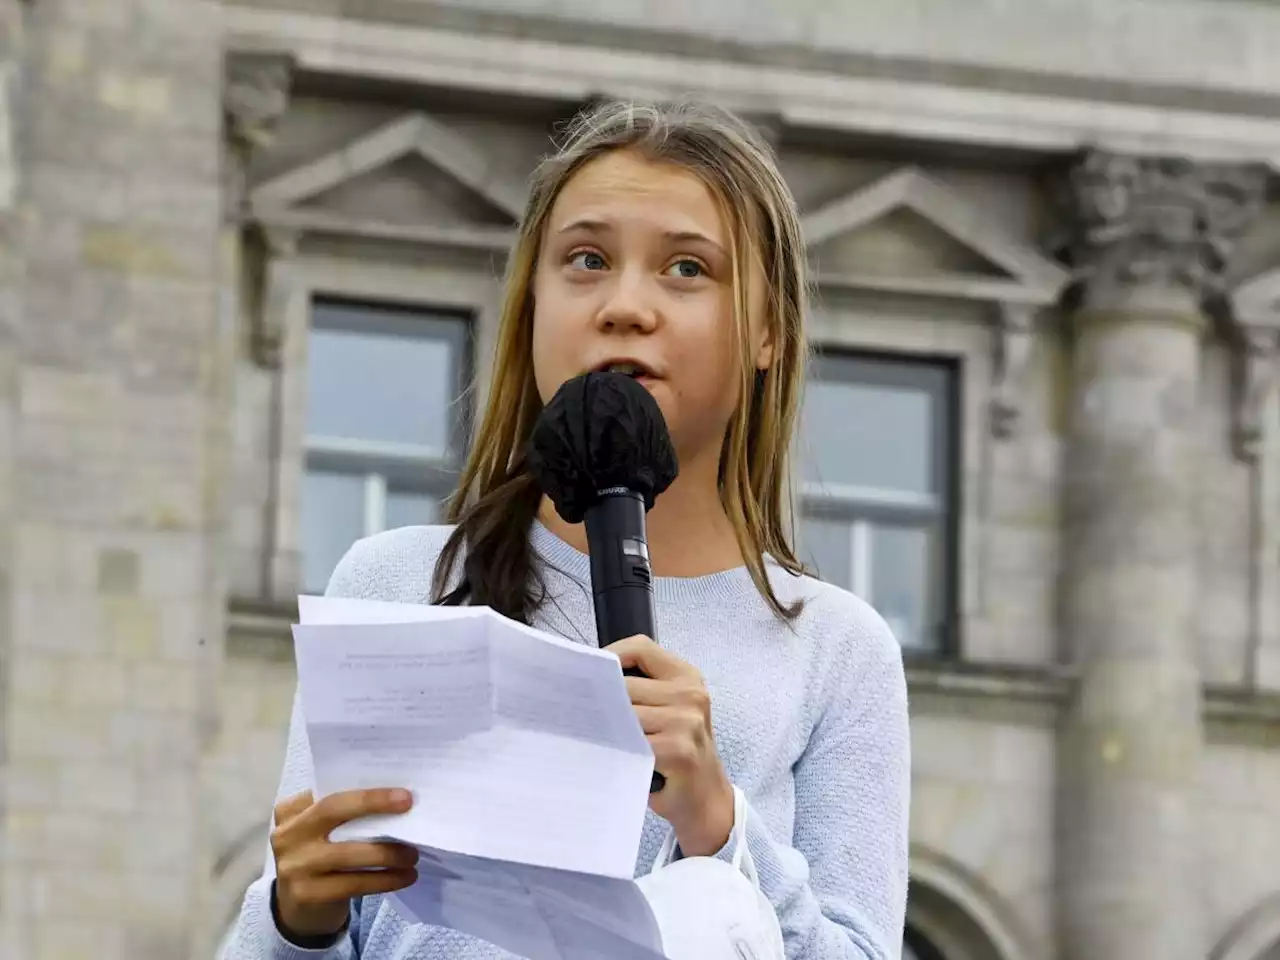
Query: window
876,478
386,425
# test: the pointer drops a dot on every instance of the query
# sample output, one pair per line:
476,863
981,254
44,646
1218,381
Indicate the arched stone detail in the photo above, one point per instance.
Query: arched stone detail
1253,935
237,866
960,913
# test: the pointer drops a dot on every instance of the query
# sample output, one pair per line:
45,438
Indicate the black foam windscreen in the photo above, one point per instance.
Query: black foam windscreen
600,430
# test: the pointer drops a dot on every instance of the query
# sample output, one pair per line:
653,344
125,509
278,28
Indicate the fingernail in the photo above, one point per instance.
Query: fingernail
400,796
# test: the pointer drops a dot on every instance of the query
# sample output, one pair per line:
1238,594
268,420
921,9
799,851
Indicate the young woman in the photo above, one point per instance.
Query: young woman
664,241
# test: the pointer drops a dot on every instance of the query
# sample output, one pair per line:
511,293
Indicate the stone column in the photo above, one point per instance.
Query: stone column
1148,240
11,272
115,624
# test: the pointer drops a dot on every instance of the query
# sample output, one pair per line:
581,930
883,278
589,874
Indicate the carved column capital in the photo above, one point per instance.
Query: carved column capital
1162,223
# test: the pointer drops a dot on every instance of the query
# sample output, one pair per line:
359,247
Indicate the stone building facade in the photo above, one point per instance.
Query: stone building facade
1041,434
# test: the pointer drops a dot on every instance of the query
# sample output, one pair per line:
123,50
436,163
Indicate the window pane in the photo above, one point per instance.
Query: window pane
869,435
332,516
409,509
384,377
827,547
901,570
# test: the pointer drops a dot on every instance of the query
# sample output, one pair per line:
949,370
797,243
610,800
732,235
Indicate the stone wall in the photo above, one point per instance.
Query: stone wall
113,614
152,412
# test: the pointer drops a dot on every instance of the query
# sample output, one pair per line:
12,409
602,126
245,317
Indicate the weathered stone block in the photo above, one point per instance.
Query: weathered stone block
144,251
130,627
97,682
48,621
69,940
93,787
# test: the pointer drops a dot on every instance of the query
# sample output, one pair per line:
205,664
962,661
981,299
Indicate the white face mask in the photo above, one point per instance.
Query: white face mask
708,909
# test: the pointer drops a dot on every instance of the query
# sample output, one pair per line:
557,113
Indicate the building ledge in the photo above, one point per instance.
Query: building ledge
798,96
1001,692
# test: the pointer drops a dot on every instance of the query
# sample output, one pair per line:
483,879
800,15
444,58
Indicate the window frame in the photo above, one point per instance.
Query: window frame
862,508
381,463
293,279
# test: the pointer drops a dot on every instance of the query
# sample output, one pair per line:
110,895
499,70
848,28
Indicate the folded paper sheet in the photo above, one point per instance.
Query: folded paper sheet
529,770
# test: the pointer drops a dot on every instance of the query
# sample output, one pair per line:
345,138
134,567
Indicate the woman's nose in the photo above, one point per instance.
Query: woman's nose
629,306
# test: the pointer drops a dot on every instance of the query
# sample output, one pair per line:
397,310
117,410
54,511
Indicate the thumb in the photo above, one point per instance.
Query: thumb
290,807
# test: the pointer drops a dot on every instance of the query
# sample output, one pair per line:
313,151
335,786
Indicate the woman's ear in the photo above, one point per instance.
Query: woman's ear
764,352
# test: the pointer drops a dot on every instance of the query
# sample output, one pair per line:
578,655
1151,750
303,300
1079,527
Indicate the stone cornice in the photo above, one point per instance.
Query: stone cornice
1105,54
796,97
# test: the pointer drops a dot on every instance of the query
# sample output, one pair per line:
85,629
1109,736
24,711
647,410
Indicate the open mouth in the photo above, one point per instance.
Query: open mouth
628,368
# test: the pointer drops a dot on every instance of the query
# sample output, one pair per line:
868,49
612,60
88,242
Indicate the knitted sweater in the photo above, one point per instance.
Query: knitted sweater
810,721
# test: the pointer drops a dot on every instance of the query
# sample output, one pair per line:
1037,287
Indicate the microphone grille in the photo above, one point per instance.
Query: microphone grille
600,430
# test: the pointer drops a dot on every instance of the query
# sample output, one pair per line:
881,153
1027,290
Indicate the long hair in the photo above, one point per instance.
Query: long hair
497,499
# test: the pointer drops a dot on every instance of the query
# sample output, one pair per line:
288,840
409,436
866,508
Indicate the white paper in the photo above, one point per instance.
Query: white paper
528,766
534,912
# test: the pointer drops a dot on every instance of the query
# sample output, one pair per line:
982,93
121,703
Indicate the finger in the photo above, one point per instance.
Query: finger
336,887
290,807
672,752
653,661
317,859
653,719
652,693
339,808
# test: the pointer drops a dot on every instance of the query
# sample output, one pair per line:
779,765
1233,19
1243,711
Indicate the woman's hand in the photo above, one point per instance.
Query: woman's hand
674,707
316,879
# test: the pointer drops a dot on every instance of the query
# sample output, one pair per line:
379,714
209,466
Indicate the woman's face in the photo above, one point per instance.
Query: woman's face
635,268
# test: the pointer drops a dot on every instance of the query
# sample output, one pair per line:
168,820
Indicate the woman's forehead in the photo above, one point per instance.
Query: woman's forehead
623,187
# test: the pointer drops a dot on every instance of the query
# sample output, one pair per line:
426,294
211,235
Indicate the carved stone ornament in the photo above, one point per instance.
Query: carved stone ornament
1014,338
271,320
1258,356
255,96
1156,221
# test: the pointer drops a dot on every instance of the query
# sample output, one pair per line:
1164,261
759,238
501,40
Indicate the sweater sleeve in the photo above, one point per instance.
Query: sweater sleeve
839,884
255,936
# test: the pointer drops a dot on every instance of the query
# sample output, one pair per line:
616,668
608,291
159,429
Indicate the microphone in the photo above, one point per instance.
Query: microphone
601,453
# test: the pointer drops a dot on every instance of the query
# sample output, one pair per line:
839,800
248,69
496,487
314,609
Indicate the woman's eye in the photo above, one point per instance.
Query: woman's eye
687,269
586,260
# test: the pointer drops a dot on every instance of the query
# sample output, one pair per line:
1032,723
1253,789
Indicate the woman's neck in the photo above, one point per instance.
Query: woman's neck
689,533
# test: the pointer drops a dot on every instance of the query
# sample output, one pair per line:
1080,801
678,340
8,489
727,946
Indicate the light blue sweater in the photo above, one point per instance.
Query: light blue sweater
810,721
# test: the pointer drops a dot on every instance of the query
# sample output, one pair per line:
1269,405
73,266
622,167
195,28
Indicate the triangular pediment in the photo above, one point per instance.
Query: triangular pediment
414,169
901,242
907,231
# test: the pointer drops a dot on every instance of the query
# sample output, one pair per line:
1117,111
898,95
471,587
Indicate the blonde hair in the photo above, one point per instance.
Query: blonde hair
497,500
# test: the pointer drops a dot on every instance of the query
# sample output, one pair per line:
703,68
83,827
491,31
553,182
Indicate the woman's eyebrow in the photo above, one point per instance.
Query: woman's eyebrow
595,225
692,236
587,225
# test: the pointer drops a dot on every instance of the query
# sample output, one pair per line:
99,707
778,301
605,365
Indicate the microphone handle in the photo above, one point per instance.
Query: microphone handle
621,577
